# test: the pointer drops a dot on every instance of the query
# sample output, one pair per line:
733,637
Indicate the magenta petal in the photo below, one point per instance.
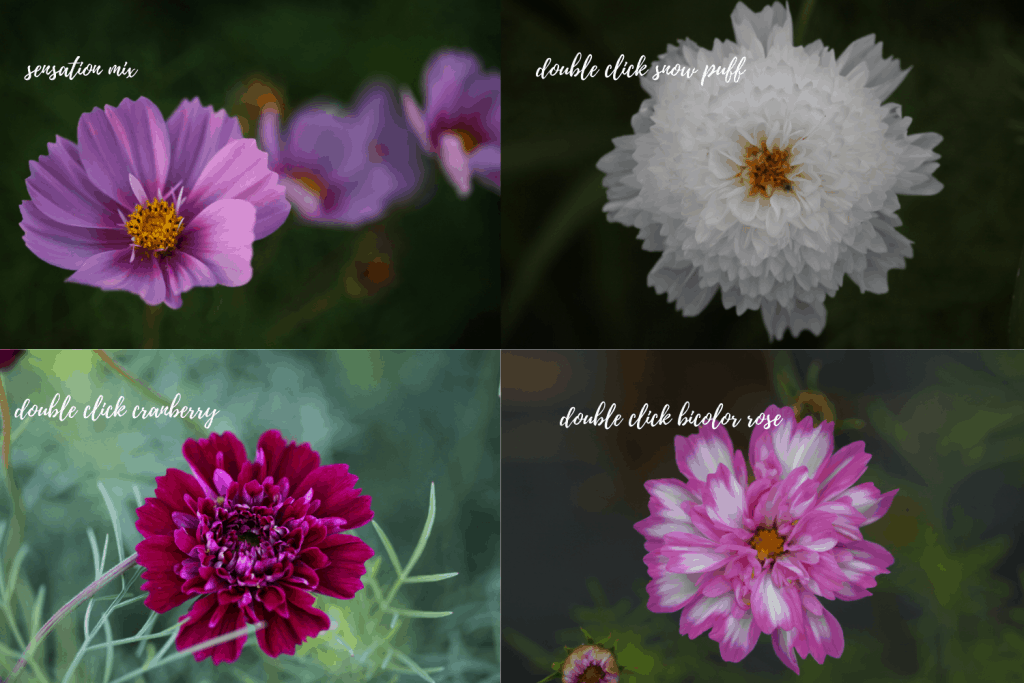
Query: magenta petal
159,553
283,459
116,270
333,486
699,455
221,238
239,171
128,139
198,629
218,450
445,80
197,133
704,613
305,621
347,556
165,590
782,643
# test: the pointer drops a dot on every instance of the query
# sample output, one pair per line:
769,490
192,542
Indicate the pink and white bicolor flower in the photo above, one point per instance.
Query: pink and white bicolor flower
743,558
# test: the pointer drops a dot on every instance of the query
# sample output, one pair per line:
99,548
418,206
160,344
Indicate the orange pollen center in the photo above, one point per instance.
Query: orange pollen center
767,543
468,142
154,227
767,170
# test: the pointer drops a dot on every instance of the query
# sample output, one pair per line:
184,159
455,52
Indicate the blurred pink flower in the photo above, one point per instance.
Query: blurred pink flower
462,120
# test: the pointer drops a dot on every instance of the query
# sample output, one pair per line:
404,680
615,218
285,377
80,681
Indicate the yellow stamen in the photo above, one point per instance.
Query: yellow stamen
767,543
468,141
154,227
767,170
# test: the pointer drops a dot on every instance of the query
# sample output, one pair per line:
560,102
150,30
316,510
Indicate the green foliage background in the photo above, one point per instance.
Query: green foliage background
401,420
950,610
574,280
445,254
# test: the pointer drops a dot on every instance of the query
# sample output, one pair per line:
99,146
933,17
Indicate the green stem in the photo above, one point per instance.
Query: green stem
151,336
155,395
1016,330
86,593
801,23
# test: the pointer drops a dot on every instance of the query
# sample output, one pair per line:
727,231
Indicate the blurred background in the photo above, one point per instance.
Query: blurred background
574,280
944,428
312,286
400,420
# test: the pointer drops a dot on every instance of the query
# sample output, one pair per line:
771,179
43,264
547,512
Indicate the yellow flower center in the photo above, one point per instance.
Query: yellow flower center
767,170
767,543
468,141
155,227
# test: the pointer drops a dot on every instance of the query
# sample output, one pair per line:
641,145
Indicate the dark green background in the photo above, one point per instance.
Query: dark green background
593,293
445,253
945,428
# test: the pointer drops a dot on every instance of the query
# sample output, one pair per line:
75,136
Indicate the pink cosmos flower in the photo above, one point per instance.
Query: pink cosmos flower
344,168
590,664
745,559
253,540
462,120
150,206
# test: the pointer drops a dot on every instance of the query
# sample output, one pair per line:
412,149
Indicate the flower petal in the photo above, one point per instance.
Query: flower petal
197,133
130,139
198,629
347,555
222,451
221,239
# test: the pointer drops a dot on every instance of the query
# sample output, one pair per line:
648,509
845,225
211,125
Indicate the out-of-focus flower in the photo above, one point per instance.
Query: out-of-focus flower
253,539
745,559
9,357
773,186
344,168
590,664
462,120
150,206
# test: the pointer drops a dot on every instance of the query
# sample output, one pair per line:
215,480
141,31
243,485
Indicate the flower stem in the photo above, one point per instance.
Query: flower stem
86,593
801,23
150,393
151,338
5,415
1017,309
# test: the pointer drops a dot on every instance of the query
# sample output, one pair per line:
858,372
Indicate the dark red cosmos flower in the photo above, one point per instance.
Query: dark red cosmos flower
8,356
253,539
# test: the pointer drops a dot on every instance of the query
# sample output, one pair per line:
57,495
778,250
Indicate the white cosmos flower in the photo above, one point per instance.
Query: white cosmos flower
774,187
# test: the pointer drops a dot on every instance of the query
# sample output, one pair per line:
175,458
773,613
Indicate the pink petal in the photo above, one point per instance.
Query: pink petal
128,139
197,133
774,606
116,270
239,171
414,117
696,560
221,237
670,592
869,501
824,636
282,635
455,164
66,246
842,470
736,637
485,163
62,192
782,643
165,590
700,454
704,613
802,444
724,499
